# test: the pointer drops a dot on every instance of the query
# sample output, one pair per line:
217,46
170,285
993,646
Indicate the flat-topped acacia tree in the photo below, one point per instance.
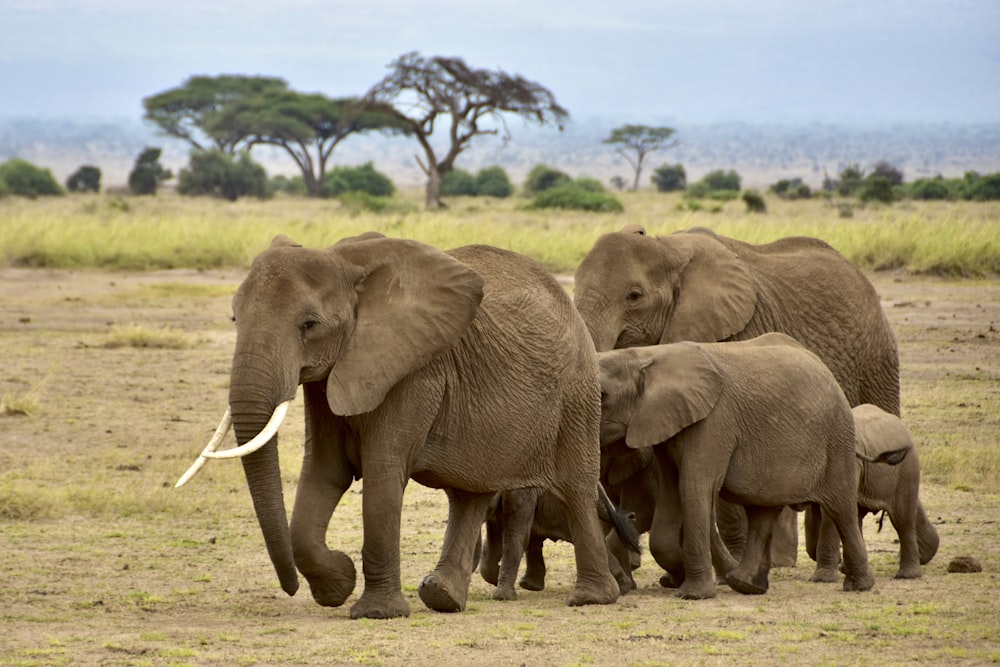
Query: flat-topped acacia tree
421,89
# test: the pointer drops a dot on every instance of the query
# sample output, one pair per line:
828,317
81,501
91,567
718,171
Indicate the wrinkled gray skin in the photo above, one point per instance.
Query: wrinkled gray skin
763,423
894,489
633,289
468,371
544,516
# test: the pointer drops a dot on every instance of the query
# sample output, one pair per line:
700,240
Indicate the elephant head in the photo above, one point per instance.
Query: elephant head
649,395
633,289
351,320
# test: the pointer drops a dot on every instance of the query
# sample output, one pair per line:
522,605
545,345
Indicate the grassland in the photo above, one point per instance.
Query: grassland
944,238
113,378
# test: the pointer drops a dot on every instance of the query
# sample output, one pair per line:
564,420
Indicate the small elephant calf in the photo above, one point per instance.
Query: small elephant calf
892,488
518,522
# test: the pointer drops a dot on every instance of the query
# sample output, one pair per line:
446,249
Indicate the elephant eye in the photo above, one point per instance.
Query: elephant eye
307,325
634,295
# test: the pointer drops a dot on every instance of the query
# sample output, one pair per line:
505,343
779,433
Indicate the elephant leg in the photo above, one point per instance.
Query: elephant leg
812,522
517,512
904,521
665,525
594,582
751,576
732,522
492,548
827,548
785,539
722,560
697,495
324,479
534,565
381,510
927,536
620,560
844,515
446,588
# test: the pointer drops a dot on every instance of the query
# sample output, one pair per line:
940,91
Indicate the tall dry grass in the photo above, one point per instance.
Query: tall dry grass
168,231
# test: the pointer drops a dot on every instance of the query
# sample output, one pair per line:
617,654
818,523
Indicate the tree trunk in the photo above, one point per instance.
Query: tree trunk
433,190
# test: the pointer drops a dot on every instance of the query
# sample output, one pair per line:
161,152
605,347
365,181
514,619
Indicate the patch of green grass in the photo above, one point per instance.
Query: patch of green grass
139,336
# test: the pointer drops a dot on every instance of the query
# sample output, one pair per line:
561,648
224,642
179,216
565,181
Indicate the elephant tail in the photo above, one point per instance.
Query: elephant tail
891,457
622,521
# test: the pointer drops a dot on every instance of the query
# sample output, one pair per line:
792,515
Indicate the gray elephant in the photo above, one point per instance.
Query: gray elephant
468,371
894,489
518,522
633,289
762,422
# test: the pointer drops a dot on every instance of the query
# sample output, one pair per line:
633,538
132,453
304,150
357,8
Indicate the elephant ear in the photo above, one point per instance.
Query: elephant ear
414,303
717,294
679,388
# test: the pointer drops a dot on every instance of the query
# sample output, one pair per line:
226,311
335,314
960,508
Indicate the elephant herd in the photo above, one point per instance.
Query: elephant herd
694,383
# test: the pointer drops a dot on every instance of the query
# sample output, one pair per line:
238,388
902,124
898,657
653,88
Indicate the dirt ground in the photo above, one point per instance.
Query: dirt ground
103,562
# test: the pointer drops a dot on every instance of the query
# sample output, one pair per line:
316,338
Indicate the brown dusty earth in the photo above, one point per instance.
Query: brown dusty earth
103,562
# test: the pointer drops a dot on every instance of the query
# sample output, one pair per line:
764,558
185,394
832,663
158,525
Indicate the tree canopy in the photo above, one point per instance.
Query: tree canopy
188,112
307,126
636,142
421,89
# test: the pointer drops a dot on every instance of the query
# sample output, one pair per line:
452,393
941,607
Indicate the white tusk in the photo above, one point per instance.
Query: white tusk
259,440
213,444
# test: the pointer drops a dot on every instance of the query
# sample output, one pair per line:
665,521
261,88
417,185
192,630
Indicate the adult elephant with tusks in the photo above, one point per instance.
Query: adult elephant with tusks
468,371
633,289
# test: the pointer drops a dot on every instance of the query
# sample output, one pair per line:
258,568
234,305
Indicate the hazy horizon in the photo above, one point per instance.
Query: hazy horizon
641,61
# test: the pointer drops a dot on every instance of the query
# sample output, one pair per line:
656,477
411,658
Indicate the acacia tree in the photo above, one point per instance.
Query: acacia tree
307,126
636,142
188,111
420,89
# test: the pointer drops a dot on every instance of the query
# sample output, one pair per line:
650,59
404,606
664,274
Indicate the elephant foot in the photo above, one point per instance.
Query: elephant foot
909,573
439,595
860,582
692,591
748,585
667,580
604,591
625,585
380,606
332,581
504,593
825,575
530,583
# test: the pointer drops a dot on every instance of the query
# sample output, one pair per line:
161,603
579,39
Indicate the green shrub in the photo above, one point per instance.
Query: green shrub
292,185
542,178
20,177
851,179
876,188
930,188
721,180
981,188
458,183
148,173
493,182
791,188
218,174
589,184
85,179
754,201
669,178
572,196
364,178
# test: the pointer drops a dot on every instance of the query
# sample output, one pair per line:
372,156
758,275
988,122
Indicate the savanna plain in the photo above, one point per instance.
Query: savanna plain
116,342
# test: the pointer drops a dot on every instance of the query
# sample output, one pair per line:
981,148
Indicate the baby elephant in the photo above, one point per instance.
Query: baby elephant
892,488
762,422
518,522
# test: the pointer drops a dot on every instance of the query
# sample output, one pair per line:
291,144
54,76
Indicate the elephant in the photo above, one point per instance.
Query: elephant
762,422
468,371
545,516
891,487
633,289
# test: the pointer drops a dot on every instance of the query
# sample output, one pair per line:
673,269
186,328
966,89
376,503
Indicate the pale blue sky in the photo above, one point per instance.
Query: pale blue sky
635,60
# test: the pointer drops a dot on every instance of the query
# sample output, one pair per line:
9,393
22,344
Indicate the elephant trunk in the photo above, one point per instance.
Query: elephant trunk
602,322
250,412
